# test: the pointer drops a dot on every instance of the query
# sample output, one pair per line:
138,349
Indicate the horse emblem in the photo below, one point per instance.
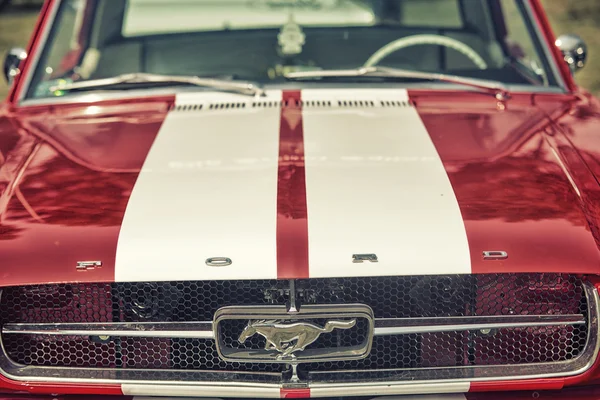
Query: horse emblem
290,338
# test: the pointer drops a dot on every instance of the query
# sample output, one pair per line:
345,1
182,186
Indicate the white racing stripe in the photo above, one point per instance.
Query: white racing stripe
199,391
410,392
171,397
376,184
132,389
430,391
208,188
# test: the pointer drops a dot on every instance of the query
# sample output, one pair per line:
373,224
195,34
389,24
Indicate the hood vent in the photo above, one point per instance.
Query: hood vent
187,107
399,104
306,104
356,103
266,104
225,106
315,103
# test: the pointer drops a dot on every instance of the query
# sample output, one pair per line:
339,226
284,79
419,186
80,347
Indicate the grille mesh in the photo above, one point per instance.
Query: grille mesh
389,297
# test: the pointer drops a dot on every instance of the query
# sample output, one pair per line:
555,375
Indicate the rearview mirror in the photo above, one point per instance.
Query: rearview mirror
574,51
11,63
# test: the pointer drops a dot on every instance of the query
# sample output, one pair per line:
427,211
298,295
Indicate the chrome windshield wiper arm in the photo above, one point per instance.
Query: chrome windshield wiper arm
242,87
499,90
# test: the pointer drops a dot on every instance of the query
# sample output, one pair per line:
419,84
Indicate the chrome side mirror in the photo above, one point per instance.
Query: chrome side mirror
11,63
574,51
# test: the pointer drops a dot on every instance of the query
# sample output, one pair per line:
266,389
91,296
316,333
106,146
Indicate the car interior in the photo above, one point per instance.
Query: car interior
113,44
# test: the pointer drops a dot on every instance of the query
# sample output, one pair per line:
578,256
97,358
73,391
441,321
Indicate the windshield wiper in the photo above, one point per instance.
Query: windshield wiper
495,88
242,87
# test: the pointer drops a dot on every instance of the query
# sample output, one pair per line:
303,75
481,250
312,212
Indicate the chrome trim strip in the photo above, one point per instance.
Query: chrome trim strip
542,39
405,326
182,330
366,380
204,330
220,85
90,98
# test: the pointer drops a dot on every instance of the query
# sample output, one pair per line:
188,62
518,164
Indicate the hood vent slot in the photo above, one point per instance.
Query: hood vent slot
266,104
392,103
315,103
356,103
209,106
222,106
363,103
187,107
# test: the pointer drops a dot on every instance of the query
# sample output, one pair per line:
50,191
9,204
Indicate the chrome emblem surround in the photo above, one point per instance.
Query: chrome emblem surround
288,335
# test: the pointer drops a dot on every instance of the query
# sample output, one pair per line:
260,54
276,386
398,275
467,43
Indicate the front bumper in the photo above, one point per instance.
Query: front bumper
583,393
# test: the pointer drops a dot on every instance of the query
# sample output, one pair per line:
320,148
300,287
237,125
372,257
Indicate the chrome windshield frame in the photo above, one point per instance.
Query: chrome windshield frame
547,54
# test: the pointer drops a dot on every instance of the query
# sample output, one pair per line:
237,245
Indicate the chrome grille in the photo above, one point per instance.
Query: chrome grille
26,311
230,332
124,353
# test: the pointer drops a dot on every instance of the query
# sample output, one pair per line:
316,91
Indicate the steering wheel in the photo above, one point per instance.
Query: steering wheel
416,40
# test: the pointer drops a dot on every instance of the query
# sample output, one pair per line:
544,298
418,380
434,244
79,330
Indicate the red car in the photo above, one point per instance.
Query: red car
299,198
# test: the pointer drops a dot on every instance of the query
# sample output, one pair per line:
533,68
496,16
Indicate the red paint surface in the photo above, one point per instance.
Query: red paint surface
294,393
292,223
529,384
514,195
587,393
64,397
69,203
576,138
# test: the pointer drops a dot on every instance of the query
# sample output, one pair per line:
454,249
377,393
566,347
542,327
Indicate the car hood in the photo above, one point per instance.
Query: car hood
318,183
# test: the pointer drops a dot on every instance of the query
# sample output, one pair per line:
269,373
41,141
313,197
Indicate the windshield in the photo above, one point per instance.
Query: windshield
263,40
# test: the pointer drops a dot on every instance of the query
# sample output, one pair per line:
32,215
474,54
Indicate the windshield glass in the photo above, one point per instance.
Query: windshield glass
262,40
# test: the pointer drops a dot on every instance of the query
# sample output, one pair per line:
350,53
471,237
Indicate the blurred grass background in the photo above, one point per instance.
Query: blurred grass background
567,16
16,24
